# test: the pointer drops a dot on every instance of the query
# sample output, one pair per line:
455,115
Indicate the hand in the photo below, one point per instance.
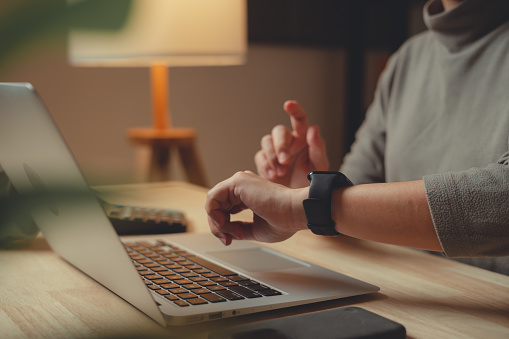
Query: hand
287,156
278,211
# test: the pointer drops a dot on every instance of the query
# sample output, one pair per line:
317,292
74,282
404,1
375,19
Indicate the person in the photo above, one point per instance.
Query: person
430,163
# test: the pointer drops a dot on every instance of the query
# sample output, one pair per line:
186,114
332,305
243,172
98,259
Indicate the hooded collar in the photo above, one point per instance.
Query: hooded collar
465,23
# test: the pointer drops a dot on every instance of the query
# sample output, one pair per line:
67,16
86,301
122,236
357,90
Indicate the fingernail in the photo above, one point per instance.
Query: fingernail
271,174
223,240
283,157
226,239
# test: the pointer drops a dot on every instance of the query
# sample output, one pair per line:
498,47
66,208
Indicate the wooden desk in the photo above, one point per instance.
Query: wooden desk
41,296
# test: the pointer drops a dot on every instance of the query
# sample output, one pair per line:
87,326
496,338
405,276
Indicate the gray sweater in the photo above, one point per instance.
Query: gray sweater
441,114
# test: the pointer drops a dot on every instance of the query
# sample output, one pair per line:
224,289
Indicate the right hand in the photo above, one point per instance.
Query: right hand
277,210
287,156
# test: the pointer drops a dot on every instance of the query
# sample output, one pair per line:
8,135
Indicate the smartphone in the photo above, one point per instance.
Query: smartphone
344,322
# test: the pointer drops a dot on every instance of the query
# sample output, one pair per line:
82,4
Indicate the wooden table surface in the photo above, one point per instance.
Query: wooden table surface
42,296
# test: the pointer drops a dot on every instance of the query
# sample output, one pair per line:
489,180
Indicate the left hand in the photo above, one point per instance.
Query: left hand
278,211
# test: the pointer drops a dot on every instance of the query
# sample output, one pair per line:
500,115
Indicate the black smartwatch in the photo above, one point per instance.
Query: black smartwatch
318,205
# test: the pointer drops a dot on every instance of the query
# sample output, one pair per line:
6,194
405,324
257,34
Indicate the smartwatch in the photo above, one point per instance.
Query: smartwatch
318,204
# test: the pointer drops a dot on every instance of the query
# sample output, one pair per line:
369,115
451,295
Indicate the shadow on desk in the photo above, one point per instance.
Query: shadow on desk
35,245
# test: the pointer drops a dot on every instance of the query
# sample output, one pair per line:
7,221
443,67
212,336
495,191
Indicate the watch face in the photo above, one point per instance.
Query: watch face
322,172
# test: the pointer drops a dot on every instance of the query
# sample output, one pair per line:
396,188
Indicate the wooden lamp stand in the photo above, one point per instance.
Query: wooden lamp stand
162,137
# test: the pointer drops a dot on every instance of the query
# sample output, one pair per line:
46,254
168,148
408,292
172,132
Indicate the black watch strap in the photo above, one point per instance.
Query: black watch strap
318,205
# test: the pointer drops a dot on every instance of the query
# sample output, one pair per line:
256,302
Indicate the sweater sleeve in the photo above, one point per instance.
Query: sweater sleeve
470,210
365,163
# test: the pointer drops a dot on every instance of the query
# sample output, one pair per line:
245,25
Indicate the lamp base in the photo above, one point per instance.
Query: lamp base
161,142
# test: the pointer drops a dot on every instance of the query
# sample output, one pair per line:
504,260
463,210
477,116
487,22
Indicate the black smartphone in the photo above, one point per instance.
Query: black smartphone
344,322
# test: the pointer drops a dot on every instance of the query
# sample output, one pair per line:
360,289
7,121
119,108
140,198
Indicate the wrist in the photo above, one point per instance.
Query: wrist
298,213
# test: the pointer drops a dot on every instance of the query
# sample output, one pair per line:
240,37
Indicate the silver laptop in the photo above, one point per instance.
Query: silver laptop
174,279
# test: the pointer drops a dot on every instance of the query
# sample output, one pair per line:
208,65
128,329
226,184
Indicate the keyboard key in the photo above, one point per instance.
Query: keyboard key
197,301
213,298
269,292
228,283
182,281
229,295
170,286
181,303
170,275
187,295
191,286
159,269
216,288
245,292
238,278
152,276
162,292
161,281
189,274
257,287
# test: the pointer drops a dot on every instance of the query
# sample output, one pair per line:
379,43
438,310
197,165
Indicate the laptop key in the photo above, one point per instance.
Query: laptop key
212,297
197,301
238,278
229,295
269,292
192,286
228,283
161,281
188,295
170,286
245,292
181,303
216,288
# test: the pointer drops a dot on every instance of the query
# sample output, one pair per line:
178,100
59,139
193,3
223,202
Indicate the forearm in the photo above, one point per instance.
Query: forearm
394,213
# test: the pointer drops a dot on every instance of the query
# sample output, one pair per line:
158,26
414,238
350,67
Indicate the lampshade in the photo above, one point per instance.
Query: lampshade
167,32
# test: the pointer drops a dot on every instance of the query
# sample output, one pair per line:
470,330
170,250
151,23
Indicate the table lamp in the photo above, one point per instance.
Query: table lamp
158,34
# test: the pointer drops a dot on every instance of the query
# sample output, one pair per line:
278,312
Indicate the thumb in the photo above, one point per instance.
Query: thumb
317,149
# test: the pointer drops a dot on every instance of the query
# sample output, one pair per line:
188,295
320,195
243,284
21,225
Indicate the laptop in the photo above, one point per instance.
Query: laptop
174,279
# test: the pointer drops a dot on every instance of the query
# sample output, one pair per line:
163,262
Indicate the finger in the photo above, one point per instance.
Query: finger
225,238
317,149
269,155
298,117
282,139
263,167
227,231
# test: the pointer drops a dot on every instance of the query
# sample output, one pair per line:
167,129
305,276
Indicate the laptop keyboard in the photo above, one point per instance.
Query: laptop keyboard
187,279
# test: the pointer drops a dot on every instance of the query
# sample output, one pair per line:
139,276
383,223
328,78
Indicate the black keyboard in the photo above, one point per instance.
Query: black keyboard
187,279
129,220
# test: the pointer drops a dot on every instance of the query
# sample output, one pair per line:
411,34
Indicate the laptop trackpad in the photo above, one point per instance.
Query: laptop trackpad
257,259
